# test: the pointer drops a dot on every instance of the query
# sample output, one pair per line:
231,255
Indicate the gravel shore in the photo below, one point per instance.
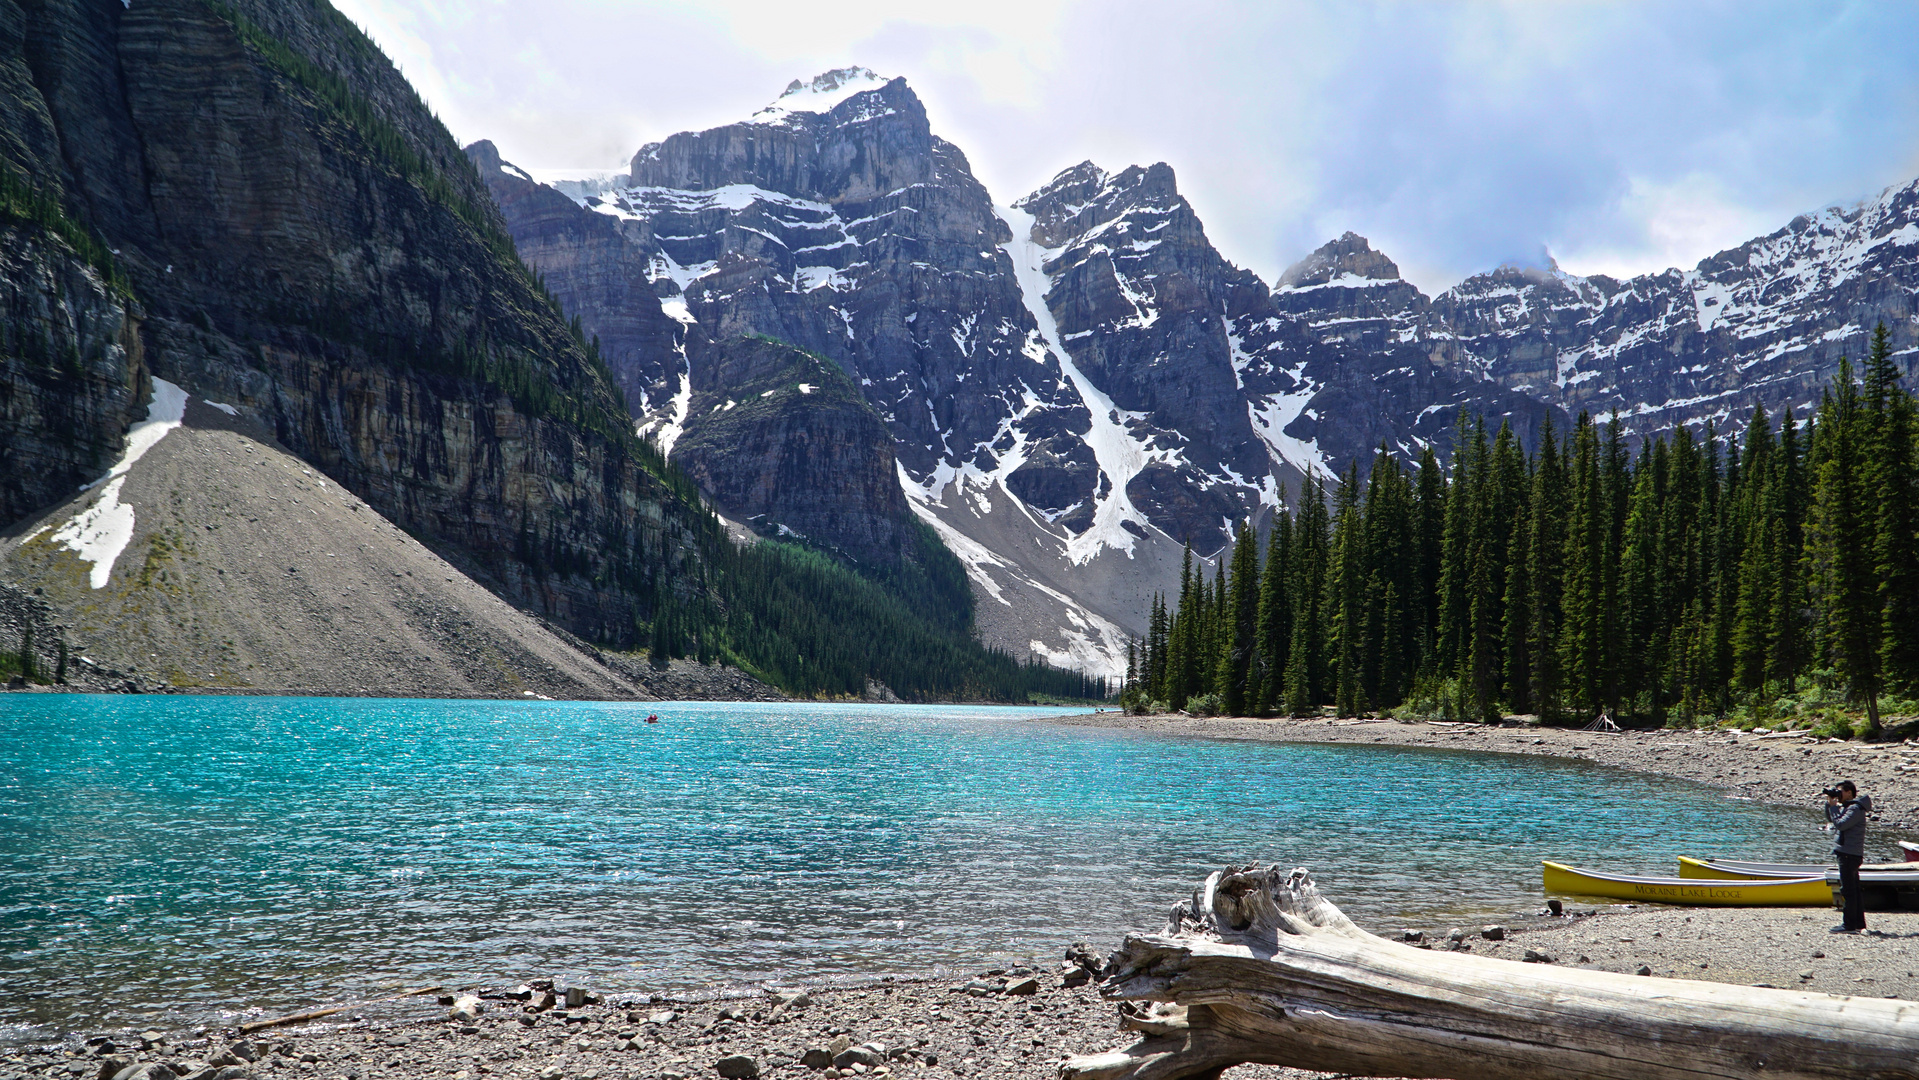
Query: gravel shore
1022,1021
1013,1023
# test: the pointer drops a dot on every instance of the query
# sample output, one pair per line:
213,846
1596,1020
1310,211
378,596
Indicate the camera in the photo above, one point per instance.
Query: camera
1833,793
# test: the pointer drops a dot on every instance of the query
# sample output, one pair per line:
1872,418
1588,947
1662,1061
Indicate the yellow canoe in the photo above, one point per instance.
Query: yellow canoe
1784,892
1734,870
1718,870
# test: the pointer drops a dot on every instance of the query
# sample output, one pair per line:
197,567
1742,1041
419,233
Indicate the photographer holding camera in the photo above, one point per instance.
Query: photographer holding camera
1846,810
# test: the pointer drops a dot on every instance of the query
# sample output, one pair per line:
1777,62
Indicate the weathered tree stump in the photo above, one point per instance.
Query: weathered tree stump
1258,968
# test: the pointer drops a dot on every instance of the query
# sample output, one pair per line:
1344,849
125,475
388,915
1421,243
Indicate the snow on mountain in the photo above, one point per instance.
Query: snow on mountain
822,95
1764,323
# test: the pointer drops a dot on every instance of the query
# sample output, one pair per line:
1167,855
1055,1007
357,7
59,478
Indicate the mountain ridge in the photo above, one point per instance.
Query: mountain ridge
1105,385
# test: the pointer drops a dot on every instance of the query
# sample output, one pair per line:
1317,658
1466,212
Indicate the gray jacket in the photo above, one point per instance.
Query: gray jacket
1849,826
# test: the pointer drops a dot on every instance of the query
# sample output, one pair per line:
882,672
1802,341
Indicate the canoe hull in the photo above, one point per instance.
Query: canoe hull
1724,870
1696,892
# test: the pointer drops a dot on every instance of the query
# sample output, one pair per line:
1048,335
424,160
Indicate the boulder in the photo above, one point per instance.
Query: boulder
737,1067
870,1054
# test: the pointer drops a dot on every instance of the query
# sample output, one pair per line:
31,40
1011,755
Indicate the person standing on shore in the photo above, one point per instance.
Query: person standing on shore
1846,811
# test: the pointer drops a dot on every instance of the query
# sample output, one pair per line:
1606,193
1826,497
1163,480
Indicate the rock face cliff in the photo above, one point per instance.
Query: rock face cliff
1232,391
71,371
782,441
591,267
300,238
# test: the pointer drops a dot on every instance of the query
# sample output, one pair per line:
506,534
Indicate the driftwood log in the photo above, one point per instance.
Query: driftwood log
1258,968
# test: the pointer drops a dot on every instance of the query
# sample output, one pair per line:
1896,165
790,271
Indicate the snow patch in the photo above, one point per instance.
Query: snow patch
674,424
1119,455
103,530
1270,415
824,94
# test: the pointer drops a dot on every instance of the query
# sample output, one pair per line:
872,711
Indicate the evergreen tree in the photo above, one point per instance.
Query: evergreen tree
1839,544
1275,615
1787,643
1306,654
1179,658
1394,603
1894,493
1582,648
1345,595
1454,602
1241,627
1429,531
1760,558
1545,555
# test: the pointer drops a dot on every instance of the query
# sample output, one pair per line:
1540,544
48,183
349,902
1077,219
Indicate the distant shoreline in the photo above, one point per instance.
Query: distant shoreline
1786,771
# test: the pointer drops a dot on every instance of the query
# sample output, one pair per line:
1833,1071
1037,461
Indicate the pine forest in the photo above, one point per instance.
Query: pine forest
1766,575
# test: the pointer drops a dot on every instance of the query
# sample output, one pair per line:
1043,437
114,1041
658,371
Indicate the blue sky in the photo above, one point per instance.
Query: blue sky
1622,137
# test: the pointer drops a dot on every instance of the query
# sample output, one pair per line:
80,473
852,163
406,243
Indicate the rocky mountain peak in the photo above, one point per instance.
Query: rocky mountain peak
1086,197
823,94
1351,254
848,135
484,155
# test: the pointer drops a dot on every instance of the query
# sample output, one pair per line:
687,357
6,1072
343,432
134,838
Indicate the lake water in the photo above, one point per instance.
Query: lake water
168,857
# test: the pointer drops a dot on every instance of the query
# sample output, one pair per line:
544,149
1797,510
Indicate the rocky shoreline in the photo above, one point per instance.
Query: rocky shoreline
1016,1023
1021,1021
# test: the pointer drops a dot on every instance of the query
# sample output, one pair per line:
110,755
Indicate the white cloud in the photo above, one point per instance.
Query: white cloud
1627,137
1657,225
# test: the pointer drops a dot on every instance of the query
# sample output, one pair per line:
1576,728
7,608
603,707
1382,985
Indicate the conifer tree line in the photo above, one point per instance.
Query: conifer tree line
1668,585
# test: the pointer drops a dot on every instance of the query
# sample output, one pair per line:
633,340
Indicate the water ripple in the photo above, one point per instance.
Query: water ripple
219,854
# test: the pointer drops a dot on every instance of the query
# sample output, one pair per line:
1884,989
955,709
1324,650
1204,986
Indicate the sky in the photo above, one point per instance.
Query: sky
1615,138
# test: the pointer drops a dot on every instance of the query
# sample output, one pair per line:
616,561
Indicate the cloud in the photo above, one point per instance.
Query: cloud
1625,137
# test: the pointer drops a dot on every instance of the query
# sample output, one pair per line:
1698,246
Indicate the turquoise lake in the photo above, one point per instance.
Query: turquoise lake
178,858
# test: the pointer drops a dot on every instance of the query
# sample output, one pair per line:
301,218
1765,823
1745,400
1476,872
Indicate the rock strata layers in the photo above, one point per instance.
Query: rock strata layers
308,245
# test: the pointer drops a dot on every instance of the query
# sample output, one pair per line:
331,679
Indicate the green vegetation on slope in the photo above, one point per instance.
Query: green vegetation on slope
1576,581
813,626
21,201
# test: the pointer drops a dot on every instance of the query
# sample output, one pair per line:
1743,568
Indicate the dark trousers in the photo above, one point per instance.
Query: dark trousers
1850,891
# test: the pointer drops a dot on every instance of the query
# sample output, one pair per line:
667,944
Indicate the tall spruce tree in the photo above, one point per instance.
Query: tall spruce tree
1306,659
1275,615
1545,555
1345,594
1894,494
1179,646
1839,544
1241,626
1759,564
1583,648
